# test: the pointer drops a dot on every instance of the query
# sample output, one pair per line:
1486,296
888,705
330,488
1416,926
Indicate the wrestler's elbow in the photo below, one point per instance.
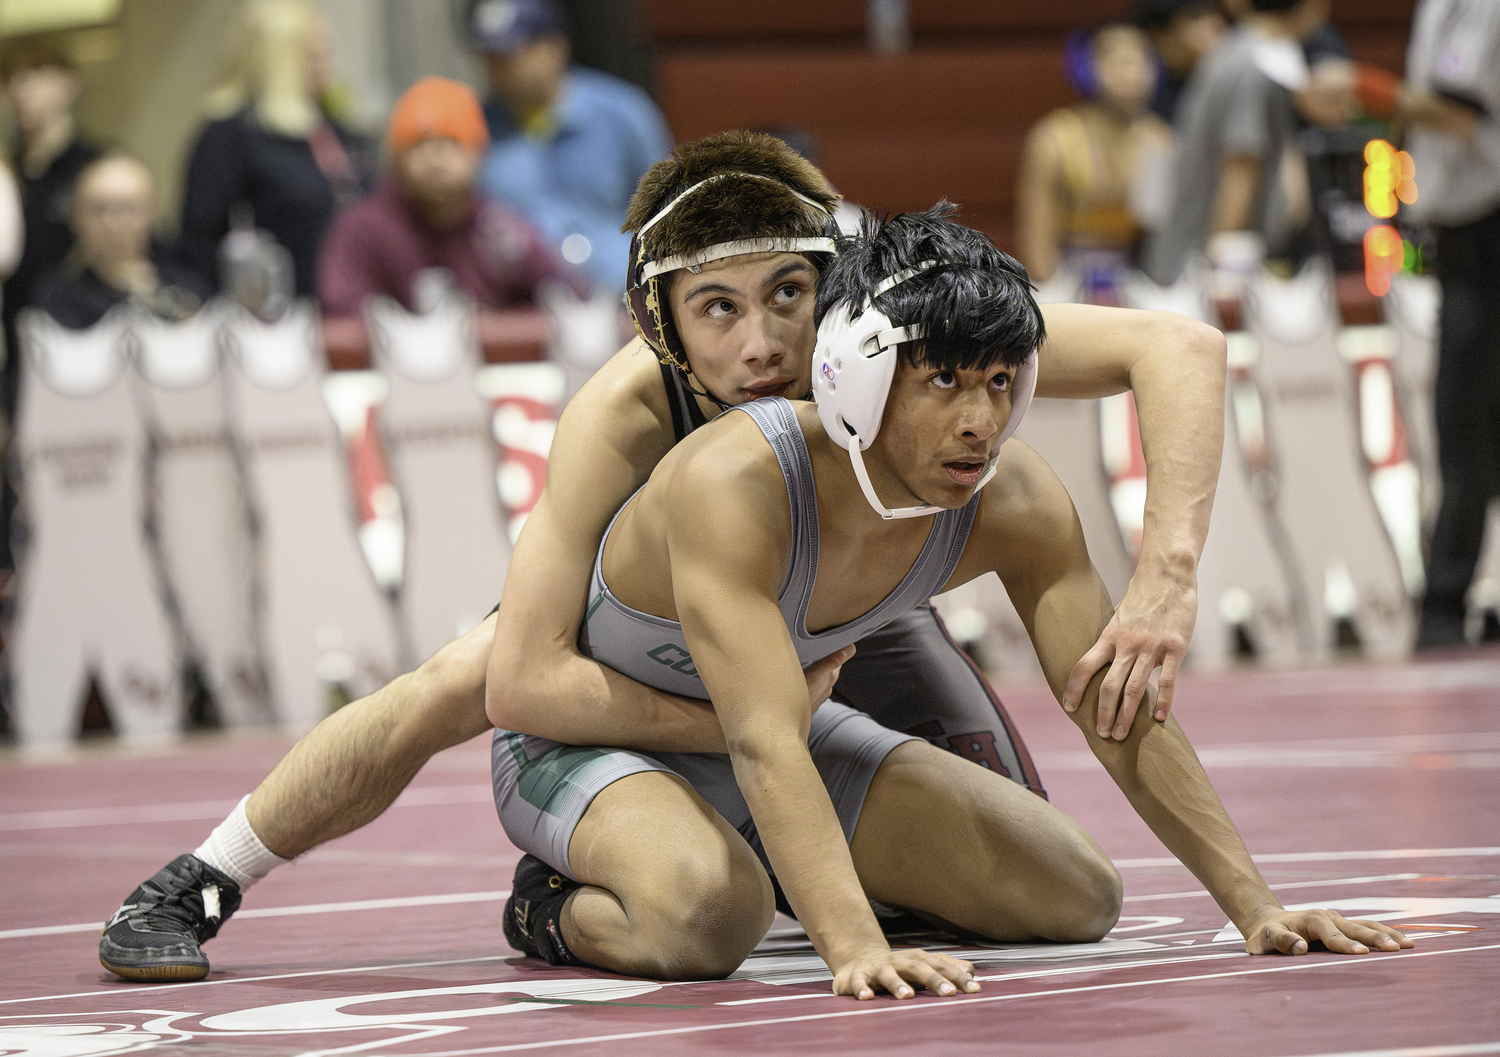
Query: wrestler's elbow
511,692
1190,342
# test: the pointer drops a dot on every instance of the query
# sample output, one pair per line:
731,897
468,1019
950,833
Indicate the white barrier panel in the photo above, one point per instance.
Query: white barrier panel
585,333
329,632
1394,480
89,601
1250,602
354,399
1245,608
443,464
1344,556
524,400
201,510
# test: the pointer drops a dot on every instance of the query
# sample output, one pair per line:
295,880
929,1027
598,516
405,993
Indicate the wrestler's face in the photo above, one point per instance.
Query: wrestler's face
747,325
938,431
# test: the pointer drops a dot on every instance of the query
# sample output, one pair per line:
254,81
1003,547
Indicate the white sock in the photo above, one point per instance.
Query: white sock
234,849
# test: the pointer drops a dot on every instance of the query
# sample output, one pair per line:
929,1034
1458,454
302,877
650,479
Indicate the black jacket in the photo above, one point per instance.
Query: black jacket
236,161
77,298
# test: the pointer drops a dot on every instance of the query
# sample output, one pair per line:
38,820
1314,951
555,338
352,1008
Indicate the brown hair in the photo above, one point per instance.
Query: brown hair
35,51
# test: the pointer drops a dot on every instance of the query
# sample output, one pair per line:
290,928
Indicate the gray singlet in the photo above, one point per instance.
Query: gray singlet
652,650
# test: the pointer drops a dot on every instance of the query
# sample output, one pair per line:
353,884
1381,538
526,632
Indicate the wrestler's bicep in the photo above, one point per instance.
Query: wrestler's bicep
726,568
601,453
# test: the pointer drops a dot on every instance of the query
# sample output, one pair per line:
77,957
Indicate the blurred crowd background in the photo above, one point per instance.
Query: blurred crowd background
396,187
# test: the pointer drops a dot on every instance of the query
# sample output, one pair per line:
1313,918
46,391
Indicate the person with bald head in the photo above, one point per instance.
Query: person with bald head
115,258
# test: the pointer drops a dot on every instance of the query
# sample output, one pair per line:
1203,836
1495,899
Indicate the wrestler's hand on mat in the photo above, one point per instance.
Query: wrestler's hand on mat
1293,931
1151,628
901,972
821,675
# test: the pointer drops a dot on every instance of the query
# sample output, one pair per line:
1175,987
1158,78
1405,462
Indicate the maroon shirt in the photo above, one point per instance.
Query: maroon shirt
380,245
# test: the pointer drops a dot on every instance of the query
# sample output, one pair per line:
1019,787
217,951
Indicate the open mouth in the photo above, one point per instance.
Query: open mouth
966,472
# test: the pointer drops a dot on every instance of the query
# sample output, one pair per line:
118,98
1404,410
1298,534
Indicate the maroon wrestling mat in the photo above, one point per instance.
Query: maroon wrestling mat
1371,789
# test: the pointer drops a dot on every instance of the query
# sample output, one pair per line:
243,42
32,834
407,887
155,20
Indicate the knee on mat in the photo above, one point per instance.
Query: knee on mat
1085,896
713,916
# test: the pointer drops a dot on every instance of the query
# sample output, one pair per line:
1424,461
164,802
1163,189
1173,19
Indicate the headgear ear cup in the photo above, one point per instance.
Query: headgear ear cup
1078,63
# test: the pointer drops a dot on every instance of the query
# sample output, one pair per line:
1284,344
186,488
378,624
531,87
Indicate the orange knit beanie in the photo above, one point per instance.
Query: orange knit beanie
437,107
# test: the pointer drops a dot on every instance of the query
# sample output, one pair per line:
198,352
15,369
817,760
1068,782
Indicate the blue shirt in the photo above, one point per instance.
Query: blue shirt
607,133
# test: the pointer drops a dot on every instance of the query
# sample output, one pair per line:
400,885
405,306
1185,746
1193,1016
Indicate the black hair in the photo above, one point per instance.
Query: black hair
975,304
1153,15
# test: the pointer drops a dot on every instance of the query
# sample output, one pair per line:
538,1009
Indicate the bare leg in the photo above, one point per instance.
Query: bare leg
353,765
671,890
945,838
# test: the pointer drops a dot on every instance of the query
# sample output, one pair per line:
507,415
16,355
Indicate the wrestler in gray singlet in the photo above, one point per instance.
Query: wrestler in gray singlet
910,675
542,788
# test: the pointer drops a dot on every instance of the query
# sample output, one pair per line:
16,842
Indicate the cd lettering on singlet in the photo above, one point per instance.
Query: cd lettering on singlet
674,658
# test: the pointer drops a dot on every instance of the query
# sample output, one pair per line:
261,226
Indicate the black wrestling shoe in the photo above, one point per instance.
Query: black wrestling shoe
533,913
155,936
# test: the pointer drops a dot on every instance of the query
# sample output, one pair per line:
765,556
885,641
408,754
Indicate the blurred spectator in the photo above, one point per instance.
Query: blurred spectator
1238,170
12,228
570,143
1182,31
427,216
1082,194
115,259
1451,99
270,156
42,88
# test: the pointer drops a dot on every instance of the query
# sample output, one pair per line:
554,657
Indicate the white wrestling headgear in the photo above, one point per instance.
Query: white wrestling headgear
853,365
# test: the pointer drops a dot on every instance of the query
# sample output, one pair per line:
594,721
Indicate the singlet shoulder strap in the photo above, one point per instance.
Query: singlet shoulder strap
778,421
686,414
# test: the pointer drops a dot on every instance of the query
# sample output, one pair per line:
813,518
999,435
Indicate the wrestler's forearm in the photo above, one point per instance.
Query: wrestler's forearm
1154,765
1159,773
805,843
1179,397
569,698
1175,367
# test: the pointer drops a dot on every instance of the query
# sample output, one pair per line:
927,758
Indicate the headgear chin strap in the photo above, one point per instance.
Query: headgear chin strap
853,366
645,295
